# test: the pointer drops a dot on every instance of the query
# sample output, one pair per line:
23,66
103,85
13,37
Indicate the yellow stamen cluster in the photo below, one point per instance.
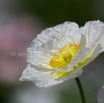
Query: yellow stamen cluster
63,57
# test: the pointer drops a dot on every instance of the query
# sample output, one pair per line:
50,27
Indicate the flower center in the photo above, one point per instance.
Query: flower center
63,57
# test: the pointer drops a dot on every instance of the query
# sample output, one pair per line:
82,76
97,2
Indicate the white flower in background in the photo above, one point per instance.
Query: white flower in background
59,53
100,95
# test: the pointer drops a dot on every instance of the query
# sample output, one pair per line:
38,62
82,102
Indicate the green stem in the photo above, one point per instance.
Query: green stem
80,89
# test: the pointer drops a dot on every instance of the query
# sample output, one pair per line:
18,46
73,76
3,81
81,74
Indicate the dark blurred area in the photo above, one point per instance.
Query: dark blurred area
54,12
20,22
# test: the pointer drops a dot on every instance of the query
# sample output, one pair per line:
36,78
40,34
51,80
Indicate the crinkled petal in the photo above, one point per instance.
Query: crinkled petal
30,74
74,74
83,53
93,31
94,53
82,41
102,43
41,79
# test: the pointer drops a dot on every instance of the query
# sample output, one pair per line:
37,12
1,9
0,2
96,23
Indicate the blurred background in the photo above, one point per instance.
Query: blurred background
20,22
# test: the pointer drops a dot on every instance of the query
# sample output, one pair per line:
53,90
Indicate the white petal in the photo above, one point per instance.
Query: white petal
82,41
102,43
74,74
30,74
83,53
93,31
97,49
100,95
41,79
94,53
89,55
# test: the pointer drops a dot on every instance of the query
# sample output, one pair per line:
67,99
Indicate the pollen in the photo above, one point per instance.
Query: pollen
64,56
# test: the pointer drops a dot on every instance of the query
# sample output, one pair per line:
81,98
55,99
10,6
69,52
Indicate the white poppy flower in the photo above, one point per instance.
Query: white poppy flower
100,95
59,53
